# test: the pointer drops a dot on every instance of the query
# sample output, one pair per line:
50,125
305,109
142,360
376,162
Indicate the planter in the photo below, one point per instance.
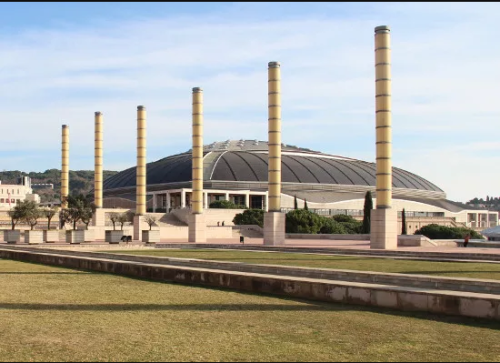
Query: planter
89,235
113,236
33,237
74,237
152,236
51,236
12,236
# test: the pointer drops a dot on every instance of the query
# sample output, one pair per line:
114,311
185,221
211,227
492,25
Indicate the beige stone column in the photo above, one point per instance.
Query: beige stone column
65,166
98,219
183,198
197,224
384,217
205,200
140,208
98,160
274,220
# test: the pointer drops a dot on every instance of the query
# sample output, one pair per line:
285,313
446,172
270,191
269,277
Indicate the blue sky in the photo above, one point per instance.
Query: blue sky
61,62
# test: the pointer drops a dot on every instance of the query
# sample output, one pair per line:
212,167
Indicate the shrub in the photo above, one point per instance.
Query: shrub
250,217
225,204
331,226
350,225
435,231
303,221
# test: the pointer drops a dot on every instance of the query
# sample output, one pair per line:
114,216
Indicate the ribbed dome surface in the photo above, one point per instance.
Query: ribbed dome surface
246,161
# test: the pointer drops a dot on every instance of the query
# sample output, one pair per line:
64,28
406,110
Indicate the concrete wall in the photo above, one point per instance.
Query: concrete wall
393,297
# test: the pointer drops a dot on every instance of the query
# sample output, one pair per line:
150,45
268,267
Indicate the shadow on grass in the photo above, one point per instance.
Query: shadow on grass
449,272
306,306
45,273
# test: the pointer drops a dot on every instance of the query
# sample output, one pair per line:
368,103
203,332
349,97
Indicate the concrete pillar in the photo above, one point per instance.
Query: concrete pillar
155,202
227,196
247,200
169,202
140,208
384,218
205,200
183,198
197,224
274,220
98,160
65,166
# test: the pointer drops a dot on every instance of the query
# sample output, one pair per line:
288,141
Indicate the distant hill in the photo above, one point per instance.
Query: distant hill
491,203
80,181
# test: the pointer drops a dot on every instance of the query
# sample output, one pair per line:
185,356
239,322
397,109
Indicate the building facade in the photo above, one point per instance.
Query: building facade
331,184
11,194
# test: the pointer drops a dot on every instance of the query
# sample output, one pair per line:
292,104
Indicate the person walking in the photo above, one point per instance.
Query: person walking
466,239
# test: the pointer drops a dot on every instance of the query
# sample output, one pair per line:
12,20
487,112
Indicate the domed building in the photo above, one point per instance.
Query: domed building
331,184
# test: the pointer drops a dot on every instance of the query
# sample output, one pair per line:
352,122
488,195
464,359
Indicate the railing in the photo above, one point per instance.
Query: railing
360,213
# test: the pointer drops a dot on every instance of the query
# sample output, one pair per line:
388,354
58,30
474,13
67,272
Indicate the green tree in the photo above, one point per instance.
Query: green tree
435,231
150,220
49,213
295,205
303,221
126,217
305,205
351,225
403,221
331,226
250,217
80,208
114,218
16,216
368,206
30,212
64,217
225,204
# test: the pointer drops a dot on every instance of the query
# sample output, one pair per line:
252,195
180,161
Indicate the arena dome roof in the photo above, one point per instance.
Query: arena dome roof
246,161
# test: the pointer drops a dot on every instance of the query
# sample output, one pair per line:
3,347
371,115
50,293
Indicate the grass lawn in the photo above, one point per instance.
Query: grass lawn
57,314
455,269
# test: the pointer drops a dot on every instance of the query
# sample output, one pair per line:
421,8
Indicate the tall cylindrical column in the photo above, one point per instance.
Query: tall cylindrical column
65,166
197,165
383,116
141,162
98,160
274,134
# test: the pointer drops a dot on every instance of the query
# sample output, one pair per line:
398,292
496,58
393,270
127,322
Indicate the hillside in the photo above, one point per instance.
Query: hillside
80,181
491,203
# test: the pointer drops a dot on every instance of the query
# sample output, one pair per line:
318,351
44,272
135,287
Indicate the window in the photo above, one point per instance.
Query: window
2,200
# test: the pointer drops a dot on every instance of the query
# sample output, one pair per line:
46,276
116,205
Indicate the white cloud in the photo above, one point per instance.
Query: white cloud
445,86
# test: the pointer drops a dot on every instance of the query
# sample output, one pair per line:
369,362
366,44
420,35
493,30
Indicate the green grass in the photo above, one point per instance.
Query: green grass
56,314
359,263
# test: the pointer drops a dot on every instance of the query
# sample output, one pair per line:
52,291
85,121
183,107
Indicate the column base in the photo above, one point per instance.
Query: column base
197,226
274,228
99,218
139,226
384,224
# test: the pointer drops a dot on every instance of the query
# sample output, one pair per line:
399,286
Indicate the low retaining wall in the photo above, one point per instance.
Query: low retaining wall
340,237
395,297
431,256
403,240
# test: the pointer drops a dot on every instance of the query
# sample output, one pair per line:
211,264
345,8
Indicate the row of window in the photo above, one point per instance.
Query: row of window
7,191
6,200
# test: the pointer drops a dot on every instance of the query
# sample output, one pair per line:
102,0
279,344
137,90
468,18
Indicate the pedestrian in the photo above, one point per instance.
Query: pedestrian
466,239
218,224
222,223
